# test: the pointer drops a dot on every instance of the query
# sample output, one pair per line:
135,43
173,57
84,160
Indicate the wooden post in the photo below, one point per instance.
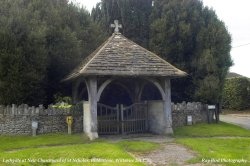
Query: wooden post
117,118
146,107
122,119
217,113
91,117
167,106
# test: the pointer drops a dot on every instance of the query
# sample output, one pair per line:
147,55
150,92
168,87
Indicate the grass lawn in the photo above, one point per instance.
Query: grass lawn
211,130
62,149
75,149
214,148
15,142
237,146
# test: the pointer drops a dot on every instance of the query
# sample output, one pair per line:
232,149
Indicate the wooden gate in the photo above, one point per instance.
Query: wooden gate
122,120
134,118
108,119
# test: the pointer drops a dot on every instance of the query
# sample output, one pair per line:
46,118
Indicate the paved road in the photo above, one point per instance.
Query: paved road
242,120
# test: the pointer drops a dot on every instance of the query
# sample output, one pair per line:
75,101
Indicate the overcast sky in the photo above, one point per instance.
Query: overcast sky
236,15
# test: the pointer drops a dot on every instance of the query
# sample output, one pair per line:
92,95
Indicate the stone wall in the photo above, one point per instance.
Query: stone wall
180,111
17,119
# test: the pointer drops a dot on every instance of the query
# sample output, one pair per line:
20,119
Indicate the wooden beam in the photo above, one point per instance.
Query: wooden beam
167,106
91,119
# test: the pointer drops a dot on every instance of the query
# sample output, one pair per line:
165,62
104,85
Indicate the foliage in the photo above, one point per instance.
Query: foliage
41,42
209,130
190,36
236,93
185,33
132,14
62,102
22,55
62,105
60,98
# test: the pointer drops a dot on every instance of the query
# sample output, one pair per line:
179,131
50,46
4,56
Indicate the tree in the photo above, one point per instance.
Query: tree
23,59
236,93
185,33
41,42
132,14
190,36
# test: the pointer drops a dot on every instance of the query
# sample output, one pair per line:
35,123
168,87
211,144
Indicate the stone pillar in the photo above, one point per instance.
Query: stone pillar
167,106
90,113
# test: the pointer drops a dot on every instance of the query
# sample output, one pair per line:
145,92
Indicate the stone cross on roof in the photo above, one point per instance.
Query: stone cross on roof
116,25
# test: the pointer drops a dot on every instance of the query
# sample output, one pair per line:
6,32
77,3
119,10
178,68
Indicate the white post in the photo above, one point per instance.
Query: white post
34,126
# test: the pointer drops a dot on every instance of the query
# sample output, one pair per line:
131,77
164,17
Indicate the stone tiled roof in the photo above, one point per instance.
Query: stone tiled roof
119,56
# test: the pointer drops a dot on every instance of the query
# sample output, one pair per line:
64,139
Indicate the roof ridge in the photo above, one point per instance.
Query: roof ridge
179,71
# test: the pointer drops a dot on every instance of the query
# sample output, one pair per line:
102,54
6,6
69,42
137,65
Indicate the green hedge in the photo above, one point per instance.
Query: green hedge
236,93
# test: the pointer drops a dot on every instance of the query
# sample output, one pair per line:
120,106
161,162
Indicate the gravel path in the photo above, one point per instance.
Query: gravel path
168,154
242,120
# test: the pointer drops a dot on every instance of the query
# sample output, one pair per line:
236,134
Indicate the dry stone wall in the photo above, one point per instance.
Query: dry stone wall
17,120
180,111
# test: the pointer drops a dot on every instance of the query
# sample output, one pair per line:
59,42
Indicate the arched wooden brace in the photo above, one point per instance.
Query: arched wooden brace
102,87
127,89
75,89
106,83
158,86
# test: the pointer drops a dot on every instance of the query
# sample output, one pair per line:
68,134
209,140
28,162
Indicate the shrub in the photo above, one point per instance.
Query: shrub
236,93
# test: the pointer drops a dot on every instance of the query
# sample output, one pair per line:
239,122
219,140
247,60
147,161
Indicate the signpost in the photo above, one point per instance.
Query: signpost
211,107
189,120
211,112
69,121
34,126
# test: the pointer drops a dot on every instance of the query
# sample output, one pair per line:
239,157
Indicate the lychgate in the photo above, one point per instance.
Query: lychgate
122,62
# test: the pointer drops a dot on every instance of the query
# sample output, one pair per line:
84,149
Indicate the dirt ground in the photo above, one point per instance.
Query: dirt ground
168,154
